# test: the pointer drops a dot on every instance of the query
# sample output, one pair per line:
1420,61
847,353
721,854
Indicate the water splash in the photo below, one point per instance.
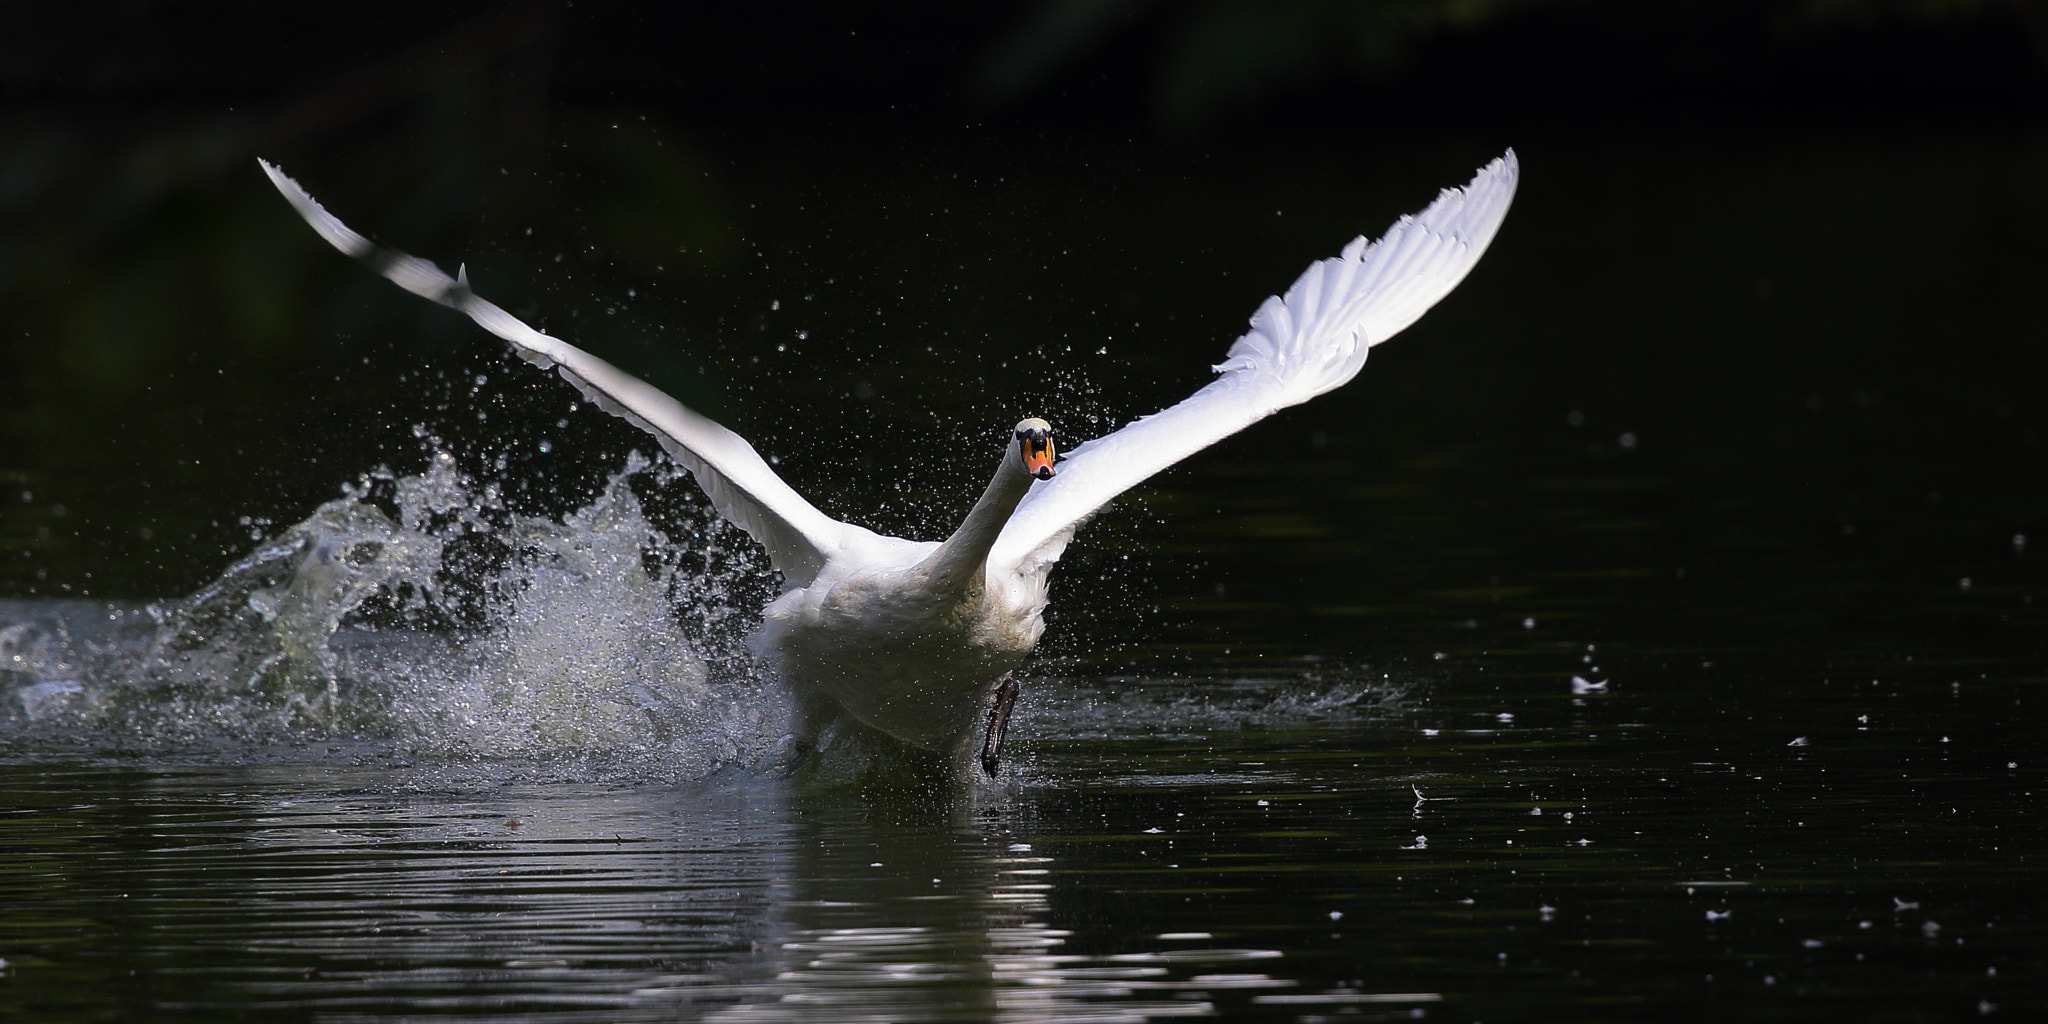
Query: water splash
419,619
418,616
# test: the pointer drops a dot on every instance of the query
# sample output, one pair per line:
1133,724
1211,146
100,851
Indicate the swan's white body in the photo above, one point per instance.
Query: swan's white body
911,638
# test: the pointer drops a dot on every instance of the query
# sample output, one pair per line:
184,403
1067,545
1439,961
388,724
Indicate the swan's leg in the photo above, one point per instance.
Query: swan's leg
813,718
998,723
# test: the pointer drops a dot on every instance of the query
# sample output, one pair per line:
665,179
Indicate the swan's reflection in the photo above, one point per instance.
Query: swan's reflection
891,918
324,889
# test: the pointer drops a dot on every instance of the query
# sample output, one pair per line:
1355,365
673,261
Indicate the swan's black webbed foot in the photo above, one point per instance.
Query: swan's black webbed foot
998,723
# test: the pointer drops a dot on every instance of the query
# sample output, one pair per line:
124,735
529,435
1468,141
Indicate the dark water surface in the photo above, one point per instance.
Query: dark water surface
1652,633
1241,846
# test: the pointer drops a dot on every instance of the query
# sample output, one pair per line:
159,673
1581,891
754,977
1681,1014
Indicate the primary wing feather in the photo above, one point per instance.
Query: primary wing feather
739,483
1311,341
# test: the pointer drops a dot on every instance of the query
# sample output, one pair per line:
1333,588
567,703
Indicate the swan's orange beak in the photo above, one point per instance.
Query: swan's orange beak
1037,448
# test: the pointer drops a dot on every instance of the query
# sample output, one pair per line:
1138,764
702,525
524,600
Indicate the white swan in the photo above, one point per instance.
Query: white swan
916,638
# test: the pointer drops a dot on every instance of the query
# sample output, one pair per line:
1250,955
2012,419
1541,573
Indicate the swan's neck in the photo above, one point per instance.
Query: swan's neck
959,563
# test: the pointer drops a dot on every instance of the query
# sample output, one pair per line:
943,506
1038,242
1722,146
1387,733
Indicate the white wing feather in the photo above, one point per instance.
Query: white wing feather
799,538
1313,340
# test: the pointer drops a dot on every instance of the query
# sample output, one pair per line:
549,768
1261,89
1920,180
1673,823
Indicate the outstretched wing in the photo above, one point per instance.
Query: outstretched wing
799,538
1313,340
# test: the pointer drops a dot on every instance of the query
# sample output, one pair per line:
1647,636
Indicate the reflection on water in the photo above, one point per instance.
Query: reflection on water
933,923
1595,855
347,891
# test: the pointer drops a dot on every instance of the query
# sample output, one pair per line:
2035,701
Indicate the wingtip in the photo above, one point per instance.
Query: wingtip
278,178
1507,167
271,171
1495,183
329,227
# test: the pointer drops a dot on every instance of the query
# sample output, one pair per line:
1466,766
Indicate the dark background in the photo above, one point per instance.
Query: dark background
1758,354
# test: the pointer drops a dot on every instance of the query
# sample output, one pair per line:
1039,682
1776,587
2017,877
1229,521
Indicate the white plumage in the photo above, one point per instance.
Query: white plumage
912,638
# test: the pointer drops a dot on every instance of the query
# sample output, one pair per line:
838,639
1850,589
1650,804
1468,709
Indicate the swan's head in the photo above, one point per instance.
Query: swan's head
1034,445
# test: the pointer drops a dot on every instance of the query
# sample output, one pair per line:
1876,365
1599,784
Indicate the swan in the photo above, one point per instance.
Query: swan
918,639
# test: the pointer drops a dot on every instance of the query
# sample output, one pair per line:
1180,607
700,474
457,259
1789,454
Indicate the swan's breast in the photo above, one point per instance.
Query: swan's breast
885,647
